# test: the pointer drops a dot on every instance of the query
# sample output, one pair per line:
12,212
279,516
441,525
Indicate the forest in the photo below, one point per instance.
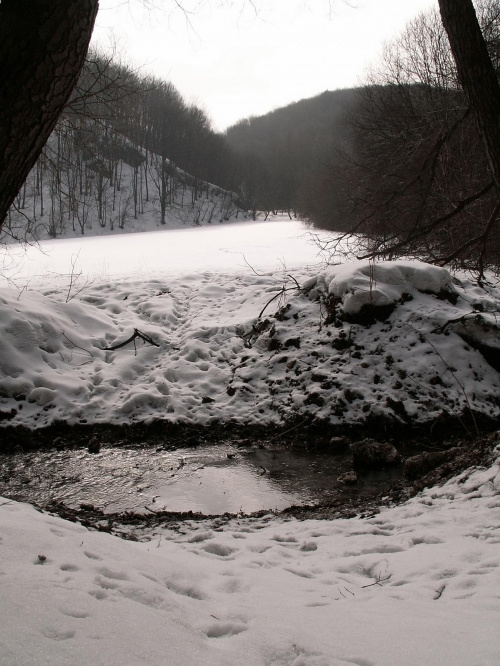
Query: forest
125,146
399,162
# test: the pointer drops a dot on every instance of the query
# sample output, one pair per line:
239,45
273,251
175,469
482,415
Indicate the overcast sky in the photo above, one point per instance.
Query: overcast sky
237,58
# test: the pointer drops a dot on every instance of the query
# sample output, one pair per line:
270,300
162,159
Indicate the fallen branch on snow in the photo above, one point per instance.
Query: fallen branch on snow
136,334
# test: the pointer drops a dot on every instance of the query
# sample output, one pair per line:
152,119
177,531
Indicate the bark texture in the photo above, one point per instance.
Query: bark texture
476,74
43,44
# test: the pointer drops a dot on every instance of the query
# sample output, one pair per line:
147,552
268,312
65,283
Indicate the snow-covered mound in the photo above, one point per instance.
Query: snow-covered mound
361,285
206,355
416,584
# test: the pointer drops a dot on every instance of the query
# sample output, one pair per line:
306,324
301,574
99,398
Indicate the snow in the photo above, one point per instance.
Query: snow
362,283
265,246
215,360
415,584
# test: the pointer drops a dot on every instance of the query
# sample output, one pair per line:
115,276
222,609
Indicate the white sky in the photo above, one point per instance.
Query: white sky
237,58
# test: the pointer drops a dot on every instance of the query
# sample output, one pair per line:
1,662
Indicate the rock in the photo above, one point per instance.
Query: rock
339,444
6,416
59,443
369,453
417,466
349,478
94,445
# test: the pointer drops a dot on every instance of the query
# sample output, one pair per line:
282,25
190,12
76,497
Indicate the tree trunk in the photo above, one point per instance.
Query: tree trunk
476,74
43,44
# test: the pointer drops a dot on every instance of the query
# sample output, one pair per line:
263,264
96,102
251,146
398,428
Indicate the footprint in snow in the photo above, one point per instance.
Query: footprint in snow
219,549
56,634
224,629
77,614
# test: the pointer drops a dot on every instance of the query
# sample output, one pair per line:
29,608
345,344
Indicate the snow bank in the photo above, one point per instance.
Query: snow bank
416,584
378,285
215,361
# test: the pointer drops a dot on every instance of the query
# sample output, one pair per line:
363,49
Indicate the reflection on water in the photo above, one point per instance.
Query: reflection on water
212,479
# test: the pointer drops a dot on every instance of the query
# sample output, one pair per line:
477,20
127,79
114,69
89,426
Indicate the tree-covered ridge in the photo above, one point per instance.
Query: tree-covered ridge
285,147
125,147
414,177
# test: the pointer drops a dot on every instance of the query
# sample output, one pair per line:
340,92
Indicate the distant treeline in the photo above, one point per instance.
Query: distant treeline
399,161
286,150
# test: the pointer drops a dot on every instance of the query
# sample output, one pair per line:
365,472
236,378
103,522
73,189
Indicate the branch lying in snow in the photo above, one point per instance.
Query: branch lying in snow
136,334
377,582
77,346
439,592
281,293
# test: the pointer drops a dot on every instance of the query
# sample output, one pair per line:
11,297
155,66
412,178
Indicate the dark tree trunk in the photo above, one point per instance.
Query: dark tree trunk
43,44
476,74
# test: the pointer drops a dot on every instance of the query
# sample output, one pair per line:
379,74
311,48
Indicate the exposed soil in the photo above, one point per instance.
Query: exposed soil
304,432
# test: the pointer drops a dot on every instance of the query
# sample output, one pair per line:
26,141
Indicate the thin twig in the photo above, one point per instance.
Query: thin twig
377,582
439,593
452,374
75,345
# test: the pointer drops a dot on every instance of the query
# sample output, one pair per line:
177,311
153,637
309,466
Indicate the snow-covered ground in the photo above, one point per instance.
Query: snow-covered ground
235,248
416,584
239,325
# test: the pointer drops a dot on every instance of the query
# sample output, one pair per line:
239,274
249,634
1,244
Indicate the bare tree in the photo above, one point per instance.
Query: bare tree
43,44
476,74
415,179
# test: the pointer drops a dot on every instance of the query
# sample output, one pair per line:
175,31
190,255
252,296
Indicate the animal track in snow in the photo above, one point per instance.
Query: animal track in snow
114,575
98,594
427,539
141,596
381,549
106,583
56,634
296,572
69,567
198,537
223,629
219,549
91,556
185,590
79,615
284,539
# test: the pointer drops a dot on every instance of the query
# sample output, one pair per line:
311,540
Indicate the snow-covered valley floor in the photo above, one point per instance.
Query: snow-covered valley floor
416,584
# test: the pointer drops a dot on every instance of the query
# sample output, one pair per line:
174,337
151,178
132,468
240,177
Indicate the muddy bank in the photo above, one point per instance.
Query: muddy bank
309,433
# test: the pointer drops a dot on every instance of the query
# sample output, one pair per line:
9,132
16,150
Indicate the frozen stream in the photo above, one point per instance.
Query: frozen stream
210,479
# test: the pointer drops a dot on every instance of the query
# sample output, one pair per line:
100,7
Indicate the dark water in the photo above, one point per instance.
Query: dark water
211,479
